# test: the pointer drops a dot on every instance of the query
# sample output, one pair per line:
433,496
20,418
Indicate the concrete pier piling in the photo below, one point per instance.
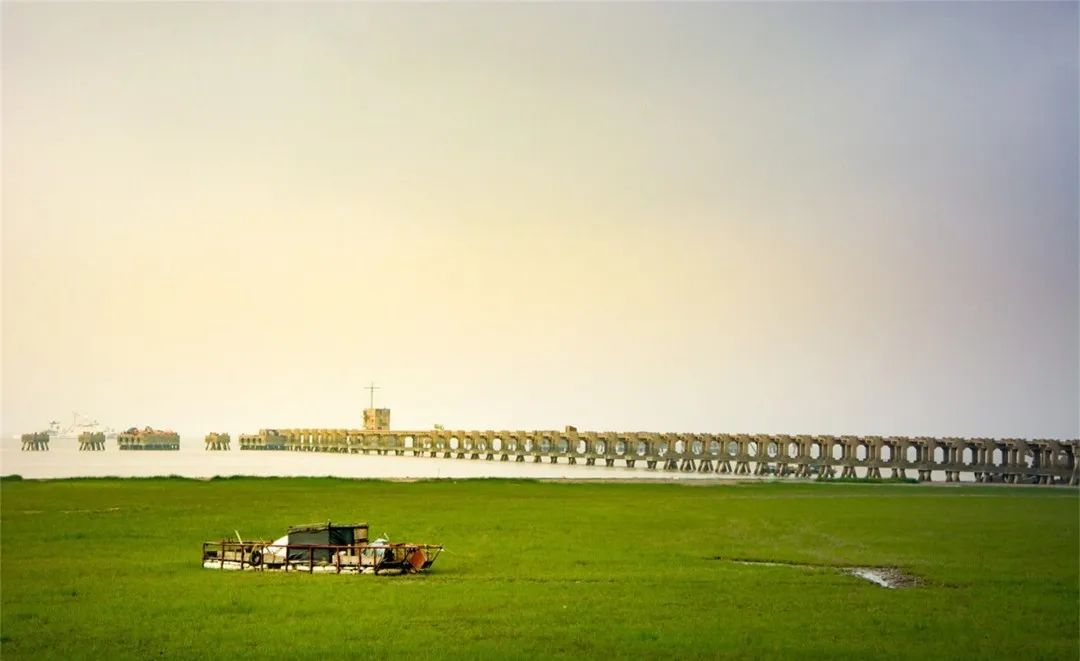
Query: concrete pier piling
38,442
217,441
91,441
148,438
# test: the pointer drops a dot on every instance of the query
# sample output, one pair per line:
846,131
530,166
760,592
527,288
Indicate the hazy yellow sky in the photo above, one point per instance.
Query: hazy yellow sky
814,218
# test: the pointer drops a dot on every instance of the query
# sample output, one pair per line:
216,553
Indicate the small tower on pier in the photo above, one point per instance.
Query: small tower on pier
375,419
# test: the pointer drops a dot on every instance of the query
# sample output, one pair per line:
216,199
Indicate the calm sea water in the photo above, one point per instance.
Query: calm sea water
65,460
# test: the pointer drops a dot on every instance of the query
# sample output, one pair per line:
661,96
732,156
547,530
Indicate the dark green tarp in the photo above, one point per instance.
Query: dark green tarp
337,535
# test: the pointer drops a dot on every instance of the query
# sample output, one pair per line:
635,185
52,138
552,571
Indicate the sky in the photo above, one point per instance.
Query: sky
816,218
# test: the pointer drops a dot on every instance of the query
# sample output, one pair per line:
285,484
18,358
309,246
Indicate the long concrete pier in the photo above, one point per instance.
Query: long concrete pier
1011,460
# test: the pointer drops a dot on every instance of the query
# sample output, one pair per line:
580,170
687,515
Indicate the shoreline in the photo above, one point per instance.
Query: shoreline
699,482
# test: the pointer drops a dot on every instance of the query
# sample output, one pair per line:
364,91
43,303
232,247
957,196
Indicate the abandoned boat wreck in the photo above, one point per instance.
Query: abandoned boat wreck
321,548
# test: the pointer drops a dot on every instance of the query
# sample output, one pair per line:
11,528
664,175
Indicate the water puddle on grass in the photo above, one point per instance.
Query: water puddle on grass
886,577
107,509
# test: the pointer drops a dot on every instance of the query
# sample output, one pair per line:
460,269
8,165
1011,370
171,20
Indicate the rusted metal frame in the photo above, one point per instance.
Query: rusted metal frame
225,546
438,551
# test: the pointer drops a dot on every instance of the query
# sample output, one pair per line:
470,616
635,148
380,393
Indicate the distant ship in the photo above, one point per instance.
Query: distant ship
78,425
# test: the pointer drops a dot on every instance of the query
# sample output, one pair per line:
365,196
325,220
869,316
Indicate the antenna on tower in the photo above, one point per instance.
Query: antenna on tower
372,388
375,418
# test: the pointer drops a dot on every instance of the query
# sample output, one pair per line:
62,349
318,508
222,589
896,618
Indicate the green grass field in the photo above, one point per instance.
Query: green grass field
110,568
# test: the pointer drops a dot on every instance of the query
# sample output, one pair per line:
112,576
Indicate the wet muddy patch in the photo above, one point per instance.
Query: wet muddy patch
886,577
890,578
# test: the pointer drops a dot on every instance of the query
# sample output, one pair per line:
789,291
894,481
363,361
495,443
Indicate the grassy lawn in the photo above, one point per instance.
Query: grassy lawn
110,568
